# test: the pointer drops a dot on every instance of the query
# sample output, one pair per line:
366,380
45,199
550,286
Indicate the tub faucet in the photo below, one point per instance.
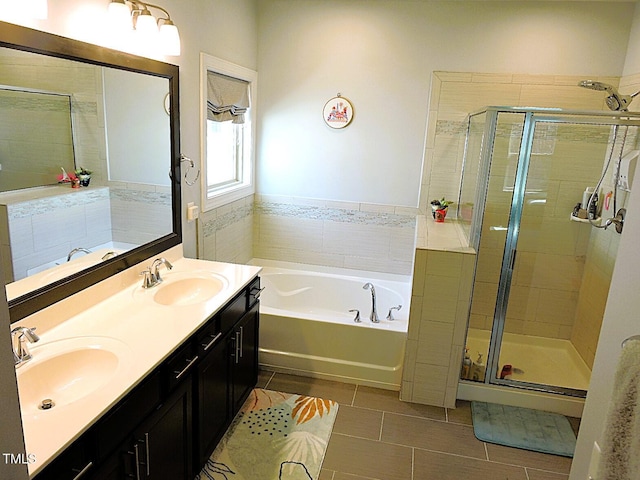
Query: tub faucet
76,250
19,338
374,311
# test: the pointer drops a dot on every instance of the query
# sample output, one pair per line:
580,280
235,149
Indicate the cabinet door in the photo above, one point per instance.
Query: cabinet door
244,374
212,400
165,441
76,462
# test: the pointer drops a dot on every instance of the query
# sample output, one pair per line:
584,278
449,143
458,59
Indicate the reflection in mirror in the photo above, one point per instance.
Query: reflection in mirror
36,137
53,232
122,137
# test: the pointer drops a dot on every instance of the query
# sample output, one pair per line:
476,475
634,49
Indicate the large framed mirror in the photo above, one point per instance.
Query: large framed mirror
68,108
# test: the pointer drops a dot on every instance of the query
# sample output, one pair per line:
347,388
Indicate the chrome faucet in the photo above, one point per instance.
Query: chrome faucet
152,275
19,338
156,264
374,311
390,314
76,250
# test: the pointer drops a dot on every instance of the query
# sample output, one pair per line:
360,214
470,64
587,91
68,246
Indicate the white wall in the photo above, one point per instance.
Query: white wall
380,55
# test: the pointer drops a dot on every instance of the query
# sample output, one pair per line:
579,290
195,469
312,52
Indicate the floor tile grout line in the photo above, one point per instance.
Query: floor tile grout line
353,398
481,460
413,462
486,450
381,427
414,448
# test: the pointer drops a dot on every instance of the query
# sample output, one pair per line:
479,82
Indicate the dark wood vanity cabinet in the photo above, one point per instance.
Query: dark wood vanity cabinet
160,448
228,370
168,425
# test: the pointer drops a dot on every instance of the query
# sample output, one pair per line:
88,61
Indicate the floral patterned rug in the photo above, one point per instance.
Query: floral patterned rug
276,436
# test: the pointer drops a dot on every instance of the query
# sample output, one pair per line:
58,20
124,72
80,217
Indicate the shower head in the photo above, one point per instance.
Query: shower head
615,101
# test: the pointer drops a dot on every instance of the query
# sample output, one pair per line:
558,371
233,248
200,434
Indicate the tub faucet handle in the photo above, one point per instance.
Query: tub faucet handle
357,317
390,314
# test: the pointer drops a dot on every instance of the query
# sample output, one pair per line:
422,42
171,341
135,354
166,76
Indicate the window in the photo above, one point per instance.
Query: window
228,113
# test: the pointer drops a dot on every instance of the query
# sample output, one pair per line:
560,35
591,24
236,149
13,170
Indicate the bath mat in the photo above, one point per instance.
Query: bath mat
523,428
275,436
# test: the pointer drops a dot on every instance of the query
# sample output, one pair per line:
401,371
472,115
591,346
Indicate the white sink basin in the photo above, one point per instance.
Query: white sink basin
184,288
68,370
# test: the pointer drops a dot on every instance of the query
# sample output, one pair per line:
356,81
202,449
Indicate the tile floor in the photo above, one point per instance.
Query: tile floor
378,437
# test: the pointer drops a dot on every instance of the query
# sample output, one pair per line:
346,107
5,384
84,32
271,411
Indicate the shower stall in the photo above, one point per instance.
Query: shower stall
543,270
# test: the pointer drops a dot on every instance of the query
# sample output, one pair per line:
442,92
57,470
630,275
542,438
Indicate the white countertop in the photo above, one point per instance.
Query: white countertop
130,322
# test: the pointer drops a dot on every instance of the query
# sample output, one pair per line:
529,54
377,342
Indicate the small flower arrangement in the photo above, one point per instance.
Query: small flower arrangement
439,209
83,175
441,204
82,172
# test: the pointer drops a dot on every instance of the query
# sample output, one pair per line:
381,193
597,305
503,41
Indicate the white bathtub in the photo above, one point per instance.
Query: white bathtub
306,327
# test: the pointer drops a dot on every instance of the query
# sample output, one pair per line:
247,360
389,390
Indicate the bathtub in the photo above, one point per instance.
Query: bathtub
306,327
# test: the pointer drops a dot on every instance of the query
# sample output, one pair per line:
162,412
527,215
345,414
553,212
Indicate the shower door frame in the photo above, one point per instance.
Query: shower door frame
532,116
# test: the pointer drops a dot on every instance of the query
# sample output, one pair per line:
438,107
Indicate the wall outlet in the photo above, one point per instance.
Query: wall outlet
192,211
594,463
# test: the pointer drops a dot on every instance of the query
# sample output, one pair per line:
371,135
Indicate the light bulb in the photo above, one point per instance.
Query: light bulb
120,15
170,39
146,24
38,9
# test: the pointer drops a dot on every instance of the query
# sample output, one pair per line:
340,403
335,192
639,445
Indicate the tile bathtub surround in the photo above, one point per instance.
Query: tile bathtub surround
86,211
440,299
336,234
226,232
376,436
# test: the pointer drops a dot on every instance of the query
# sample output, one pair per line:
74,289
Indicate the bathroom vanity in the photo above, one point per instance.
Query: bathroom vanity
187,358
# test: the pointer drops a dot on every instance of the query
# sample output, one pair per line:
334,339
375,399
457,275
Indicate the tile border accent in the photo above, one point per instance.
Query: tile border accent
45,205
210,227
342,215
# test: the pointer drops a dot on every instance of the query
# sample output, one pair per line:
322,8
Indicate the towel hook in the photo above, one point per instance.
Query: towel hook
184,158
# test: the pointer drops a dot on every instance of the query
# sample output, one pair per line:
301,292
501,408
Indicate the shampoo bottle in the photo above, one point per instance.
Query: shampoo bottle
479,369
466,365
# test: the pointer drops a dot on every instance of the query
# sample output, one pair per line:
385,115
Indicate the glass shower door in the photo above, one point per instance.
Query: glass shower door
545,252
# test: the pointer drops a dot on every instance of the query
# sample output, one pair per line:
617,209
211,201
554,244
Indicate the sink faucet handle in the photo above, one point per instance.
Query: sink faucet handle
21,353
357,317
150,279
390,314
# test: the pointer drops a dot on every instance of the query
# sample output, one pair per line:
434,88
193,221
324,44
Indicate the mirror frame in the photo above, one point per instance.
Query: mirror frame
36,41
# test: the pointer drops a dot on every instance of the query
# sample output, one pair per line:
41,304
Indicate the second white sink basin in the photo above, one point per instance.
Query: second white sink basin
184,288
68,370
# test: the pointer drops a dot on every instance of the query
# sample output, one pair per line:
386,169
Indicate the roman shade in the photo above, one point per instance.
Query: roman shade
227,98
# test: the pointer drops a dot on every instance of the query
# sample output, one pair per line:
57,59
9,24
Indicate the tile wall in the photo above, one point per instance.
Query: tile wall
226,233
441,295
38,231
361,236
600,260
562,306
140,213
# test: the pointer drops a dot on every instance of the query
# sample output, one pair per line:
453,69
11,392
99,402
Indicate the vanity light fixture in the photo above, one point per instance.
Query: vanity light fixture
24,9
134,14
39,9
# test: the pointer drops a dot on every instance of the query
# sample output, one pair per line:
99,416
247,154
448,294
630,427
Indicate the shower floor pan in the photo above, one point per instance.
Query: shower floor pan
545,361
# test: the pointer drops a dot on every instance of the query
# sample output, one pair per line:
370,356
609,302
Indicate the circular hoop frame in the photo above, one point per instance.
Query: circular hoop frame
337,112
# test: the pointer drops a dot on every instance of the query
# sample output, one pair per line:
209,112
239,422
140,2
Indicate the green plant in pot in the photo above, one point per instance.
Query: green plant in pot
84,176
439,209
